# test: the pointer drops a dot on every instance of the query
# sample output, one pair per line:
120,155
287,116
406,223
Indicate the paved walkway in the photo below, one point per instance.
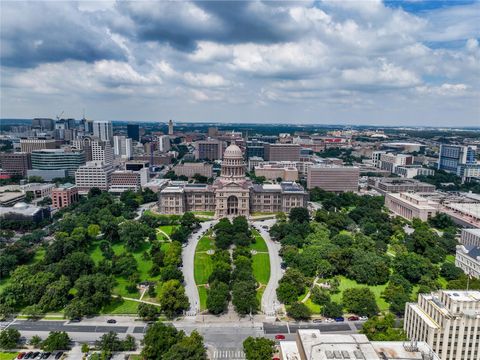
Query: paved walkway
164,233
270,303
188,256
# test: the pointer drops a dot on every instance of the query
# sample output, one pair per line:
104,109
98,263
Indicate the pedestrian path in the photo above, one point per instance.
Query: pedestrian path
229,354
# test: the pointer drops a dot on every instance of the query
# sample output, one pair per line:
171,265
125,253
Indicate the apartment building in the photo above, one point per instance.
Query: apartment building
410,206
190,169
210,149
282,152
467,258
17,163
376,157
64,195
29,145
333,178
93,174
448,321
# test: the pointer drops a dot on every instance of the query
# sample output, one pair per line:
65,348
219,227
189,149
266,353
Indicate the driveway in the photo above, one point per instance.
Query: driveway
188,255
270,303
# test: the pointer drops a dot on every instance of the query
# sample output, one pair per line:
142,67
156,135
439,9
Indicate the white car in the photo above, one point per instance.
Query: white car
329,320
363,318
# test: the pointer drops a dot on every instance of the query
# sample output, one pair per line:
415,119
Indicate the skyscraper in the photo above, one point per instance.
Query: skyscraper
170,127
123,147
133,132
103,130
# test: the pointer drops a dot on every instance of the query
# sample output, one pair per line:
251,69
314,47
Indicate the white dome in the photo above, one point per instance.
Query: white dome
20,205
232,152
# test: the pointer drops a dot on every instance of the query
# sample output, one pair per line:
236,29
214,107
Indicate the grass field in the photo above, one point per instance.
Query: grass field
205,243
168,229
259,244
261,268
121,307
377,290
205,213
202,293
203,267
8,355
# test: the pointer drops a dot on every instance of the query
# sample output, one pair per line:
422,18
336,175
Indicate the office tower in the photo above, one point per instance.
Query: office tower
133,132
29,145
333,177
57,159
448,321
103,130
43,124
123,147
210,149
16,163
170,127
95,149
452,156
93,174
282,152
255,148
64,195
164,143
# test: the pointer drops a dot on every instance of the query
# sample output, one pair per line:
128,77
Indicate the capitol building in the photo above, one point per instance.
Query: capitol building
232,193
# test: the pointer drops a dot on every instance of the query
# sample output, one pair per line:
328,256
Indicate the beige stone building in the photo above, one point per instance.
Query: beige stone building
409,206
190,169
231,194
333,177
287,171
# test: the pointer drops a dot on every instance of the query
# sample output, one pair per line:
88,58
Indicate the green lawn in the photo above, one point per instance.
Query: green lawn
205,243
259,244
260,292
202,293
168,229
314,308
203,267
8,355
261,268
126,307
377,290
450,259
206,213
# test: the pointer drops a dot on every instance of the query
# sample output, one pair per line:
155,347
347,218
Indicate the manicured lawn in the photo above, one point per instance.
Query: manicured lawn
314,308
202,293
261,268
121,307
377,290
206,213
205,243
259,244
203,267
8,355
450,259
168,229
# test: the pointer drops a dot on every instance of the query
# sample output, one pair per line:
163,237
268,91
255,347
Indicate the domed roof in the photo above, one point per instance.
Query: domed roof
232,151
20,205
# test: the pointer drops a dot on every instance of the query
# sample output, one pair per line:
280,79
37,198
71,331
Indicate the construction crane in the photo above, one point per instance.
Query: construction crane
59,116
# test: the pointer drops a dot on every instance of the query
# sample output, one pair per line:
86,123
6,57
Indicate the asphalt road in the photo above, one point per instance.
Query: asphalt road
188,255
270,302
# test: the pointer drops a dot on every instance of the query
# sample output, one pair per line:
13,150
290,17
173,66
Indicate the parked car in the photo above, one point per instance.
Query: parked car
111,321
21,355
363,318
329,320
46,355
35,355
279,337
59,355
28,355
353,318
316,321
75,320
339,319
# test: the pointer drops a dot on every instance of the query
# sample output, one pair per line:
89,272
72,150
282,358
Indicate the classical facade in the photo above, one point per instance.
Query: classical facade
231,194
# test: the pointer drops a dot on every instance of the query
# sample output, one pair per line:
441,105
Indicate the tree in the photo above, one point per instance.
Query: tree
332,309
320,296
413,266
299,311
9,338
450,272
360,301
299,214
110,342
370,268
259,348
85,348
56,340
172,298
381,328
134,234
189,220
148,311
218,296
244,297
189,347
158,339
35,341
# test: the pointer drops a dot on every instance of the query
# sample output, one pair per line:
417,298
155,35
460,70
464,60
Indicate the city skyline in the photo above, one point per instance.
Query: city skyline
358,63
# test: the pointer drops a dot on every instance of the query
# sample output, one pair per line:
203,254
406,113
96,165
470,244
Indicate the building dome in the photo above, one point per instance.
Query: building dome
20,205
232,152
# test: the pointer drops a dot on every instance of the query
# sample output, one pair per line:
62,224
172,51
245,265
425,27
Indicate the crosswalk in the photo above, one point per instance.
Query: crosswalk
228,354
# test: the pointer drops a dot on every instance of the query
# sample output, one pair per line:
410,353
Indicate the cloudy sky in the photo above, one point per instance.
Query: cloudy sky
334,62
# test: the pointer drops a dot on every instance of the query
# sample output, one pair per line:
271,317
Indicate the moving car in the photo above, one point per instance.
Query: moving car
111,321
279,337
353,318
316,321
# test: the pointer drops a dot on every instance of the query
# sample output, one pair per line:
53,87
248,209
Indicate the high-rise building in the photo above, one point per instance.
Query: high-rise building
282,152
93,174
124,180
95,149
452,156
333,178
29,145
16,163
123,147
43,124
57,159
448,321
133,132
376,157
164,143
389,162
64,195
103,130
209,149
170,127
255,148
